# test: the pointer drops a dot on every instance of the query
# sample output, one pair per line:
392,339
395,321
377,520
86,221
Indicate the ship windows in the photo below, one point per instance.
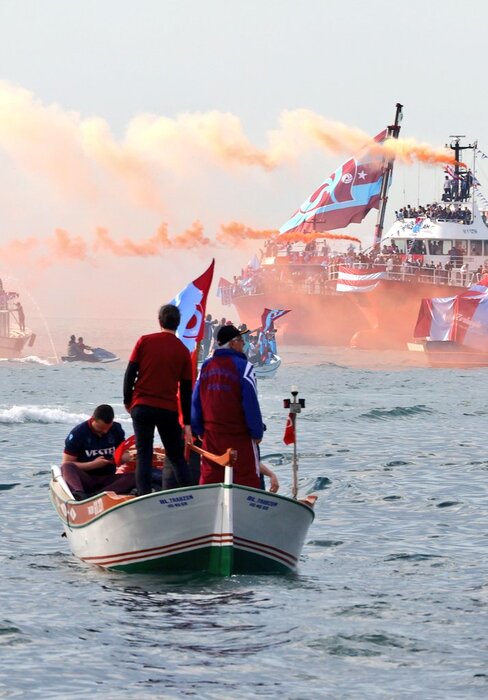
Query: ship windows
416,247
476,247
435,247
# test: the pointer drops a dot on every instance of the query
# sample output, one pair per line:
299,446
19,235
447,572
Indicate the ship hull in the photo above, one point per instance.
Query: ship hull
381,319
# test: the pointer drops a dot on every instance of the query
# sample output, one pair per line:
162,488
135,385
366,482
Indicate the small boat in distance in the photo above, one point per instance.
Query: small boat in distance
92,355
268,370
454,330
14,336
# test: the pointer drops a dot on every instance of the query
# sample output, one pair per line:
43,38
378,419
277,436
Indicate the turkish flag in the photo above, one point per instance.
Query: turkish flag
289,436
191,302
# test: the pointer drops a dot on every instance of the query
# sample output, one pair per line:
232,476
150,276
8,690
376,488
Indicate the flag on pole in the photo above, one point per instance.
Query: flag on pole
269,316
192,302
289,436
345,197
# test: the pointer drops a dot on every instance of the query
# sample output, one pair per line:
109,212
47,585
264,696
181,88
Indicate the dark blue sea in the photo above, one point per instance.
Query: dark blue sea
391,597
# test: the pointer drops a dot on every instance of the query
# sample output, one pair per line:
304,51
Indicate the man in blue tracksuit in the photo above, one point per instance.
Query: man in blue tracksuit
226,412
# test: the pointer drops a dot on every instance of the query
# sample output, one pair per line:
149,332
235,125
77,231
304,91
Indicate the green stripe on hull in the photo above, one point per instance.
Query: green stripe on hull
220,561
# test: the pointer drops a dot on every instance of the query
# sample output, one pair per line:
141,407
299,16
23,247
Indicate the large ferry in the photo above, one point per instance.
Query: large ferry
14,335
368,299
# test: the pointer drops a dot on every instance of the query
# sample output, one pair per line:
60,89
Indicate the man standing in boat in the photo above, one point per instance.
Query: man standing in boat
226,412
160,367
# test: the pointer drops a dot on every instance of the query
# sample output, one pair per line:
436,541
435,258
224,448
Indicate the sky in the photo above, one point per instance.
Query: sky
139,140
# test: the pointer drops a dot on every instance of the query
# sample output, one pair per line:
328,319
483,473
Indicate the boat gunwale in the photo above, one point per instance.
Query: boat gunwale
157,494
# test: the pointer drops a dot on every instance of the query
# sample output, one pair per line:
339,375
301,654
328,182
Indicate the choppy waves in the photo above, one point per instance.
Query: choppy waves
31,359
396,412
45,415
39,414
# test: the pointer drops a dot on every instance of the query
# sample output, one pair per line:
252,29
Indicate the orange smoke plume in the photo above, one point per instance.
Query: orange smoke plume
410,151
193,237
314,236
235,233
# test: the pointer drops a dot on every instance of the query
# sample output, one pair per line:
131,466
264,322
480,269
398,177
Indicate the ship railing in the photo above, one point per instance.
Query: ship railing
456,277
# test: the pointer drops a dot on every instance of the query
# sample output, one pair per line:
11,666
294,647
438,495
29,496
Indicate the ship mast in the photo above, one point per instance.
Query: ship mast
392,132
457,148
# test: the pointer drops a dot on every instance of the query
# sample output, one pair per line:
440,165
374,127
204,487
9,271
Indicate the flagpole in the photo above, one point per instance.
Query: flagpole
393,132
294,406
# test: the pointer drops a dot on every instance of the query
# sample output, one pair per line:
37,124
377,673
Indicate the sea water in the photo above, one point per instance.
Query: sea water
391,595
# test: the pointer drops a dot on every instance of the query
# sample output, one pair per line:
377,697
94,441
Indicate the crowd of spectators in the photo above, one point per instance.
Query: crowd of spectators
436,212
315,279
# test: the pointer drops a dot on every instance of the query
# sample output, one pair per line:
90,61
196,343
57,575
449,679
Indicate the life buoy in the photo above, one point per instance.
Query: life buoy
125,456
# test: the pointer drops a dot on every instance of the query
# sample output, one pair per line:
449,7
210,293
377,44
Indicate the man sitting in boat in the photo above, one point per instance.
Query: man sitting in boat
226,412
88,459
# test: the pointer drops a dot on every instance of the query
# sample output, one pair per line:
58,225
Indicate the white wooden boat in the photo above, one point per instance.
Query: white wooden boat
219,528
268,370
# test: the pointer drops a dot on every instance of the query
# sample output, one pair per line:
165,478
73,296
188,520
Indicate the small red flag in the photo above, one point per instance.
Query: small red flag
289,436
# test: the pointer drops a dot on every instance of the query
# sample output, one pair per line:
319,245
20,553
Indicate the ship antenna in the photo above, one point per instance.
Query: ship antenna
392,132
294,405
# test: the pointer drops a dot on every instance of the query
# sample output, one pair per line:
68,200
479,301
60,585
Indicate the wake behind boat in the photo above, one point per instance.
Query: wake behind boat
222,529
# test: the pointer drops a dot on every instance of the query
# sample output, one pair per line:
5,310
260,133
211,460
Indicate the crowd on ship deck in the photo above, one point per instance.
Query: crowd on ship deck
436,212
409,266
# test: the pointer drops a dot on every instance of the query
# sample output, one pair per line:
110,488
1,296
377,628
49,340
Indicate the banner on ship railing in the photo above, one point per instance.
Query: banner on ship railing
350,279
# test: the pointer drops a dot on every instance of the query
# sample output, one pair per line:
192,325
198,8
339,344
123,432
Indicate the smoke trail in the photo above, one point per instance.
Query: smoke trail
235,233
314,236
82,158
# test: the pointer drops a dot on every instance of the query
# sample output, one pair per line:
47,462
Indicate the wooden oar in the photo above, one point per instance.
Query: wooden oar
226,460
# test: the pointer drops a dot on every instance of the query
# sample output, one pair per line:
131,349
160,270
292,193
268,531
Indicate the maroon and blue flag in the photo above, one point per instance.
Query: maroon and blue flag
269,316
345,197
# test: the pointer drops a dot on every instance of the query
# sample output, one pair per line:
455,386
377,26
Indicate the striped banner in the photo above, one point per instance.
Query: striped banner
352,280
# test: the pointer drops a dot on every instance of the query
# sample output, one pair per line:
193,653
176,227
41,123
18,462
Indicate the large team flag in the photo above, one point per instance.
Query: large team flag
345,197
192,302
269,316
351,279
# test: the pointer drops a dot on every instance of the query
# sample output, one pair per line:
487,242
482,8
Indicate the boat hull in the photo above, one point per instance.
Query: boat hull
268,370
381,319
218,528
449,354
13,345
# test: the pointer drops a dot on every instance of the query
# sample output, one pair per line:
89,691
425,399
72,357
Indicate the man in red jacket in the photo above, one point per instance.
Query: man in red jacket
226,412
160,367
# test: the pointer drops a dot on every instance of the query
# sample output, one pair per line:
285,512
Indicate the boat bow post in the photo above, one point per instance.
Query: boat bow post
294,405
